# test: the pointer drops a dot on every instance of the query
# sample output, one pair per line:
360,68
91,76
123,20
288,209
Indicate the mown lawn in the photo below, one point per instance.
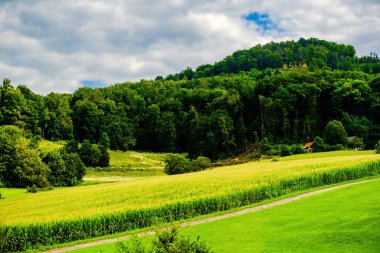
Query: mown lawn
342,220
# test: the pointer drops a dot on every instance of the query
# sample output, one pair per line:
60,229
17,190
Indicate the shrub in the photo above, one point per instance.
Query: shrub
20,166
377,147
297,149
319,145
200,163
32,189
71,146
176,164
357,143
168,241
337,147
284,150
334,133
94,155
104,159
75,168
67,169
34,142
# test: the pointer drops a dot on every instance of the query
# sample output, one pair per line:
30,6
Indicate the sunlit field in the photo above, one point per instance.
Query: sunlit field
88,201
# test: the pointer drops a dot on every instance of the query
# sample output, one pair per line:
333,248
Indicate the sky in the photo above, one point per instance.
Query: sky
60,45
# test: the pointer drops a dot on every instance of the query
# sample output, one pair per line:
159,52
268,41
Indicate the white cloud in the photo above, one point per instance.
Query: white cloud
54,45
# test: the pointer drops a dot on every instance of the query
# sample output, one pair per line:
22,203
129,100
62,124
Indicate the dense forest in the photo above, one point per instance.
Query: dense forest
281,92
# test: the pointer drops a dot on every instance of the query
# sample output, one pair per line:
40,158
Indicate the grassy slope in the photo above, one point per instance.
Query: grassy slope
343,220
12,192
338,221
93,200
123,165
47,146
131,164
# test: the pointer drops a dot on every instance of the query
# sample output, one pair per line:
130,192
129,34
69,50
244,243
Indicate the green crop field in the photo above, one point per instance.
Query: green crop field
307,225
87,201
107,208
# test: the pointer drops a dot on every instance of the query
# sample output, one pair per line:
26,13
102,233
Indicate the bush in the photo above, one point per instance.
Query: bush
284,150
32,189
89,153
176,164
377,147
67,169
95,155
104,159
334,133
337,147
357,143
319,145
297,149
168,241
20,166
75,168
71,146
200,163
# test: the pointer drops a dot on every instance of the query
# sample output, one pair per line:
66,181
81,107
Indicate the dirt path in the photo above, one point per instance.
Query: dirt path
215,218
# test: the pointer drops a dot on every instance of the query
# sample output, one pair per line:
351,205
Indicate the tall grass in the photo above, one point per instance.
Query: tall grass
25,236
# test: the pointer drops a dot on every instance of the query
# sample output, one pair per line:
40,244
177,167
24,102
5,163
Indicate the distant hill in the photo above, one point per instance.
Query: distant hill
314,53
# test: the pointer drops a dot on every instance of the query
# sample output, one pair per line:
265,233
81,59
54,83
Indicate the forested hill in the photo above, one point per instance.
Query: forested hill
309,83
313,53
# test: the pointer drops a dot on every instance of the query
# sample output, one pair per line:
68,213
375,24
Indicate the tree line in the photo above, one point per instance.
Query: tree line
214,116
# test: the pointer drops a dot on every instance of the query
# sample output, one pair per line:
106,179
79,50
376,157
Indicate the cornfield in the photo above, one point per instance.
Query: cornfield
70,214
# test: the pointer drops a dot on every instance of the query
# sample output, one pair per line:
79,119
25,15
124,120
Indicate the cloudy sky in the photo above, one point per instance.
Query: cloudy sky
64,44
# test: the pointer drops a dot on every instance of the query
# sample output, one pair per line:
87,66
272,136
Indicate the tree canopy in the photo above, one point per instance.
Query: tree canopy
285,92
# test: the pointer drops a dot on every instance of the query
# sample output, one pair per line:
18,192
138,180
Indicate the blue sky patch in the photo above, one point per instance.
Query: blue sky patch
263,21
93,83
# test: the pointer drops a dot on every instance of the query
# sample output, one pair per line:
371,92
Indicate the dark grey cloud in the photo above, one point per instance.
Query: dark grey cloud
56,45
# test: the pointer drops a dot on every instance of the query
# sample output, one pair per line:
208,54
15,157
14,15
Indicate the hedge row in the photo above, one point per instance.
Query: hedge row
29,236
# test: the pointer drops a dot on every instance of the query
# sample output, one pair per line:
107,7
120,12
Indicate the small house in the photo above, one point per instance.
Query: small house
308,145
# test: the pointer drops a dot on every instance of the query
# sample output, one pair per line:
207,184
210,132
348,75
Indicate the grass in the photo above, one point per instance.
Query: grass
307,225
94,200
129,164
8,193
48,146
343,220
